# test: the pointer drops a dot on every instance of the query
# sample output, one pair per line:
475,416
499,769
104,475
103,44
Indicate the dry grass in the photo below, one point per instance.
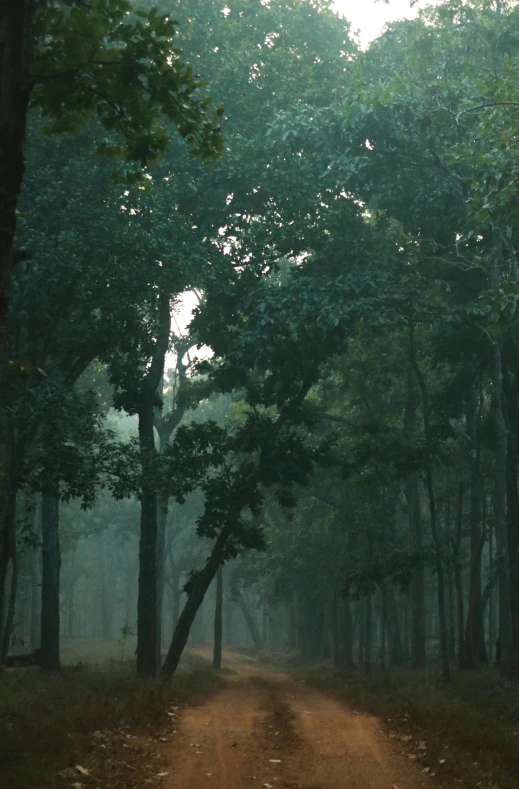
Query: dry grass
470,728
47,721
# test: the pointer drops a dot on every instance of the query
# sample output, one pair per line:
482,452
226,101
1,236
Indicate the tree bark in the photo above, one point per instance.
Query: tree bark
199,586
200,581
475,631
368,633
218,611
249,619
106,602
444,639
412,494
50,583
463,661
16,47
500,521
148,609
511,391
396,647
35,598
148,661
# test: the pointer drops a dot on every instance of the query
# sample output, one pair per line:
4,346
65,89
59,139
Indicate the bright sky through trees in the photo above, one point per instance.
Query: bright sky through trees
369,16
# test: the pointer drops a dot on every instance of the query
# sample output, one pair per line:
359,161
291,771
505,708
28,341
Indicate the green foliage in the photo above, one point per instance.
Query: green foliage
107,60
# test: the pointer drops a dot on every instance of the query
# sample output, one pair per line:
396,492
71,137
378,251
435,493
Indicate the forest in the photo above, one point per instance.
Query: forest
259,343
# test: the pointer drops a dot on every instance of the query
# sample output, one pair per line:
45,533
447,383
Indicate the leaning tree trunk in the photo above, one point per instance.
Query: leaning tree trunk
16,48
50,582
200,583
218,617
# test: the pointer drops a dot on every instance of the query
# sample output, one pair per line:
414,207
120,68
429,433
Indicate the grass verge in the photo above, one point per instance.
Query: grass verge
466,733
102,718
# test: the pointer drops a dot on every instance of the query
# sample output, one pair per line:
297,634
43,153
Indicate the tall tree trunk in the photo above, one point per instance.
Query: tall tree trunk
292,622
165,425
329,620
148,625
16,48
36,597
249,618
348,661
218,610
7,554
106,602
444,640
11,605
70,606
383,625
228,620
500,463
396,647
451,612
511,390
162,519
475,631
412,494
368,633
463,661
175,592
148,662
50,582
500,521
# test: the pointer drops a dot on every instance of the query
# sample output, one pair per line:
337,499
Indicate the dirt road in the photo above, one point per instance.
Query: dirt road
266,729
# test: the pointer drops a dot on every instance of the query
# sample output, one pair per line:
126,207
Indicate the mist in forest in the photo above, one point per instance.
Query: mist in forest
259,381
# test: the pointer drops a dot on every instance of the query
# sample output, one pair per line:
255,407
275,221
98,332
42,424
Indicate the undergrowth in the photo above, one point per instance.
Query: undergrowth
47,721
470,727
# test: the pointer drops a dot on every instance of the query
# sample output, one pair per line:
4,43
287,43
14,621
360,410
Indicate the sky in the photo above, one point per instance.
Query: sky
370,17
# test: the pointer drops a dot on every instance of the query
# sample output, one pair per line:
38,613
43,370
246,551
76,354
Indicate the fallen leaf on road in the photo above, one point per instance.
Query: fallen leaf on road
275,761
82,770
162,775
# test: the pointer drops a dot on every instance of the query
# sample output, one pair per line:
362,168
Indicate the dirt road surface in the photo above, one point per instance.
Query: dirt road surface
266,729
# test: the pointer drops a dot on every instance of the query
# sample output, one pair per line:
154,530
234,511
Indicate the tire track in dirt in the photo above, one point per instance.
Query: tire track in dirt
266,729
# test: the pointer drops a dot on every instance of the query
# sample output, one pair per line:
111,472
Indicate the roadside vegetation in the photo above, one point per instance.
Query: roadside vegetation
94,716
465,734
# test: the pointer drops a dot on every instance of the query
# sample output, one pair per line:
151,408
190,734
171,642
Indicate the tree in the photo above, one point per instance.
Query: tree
76,61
